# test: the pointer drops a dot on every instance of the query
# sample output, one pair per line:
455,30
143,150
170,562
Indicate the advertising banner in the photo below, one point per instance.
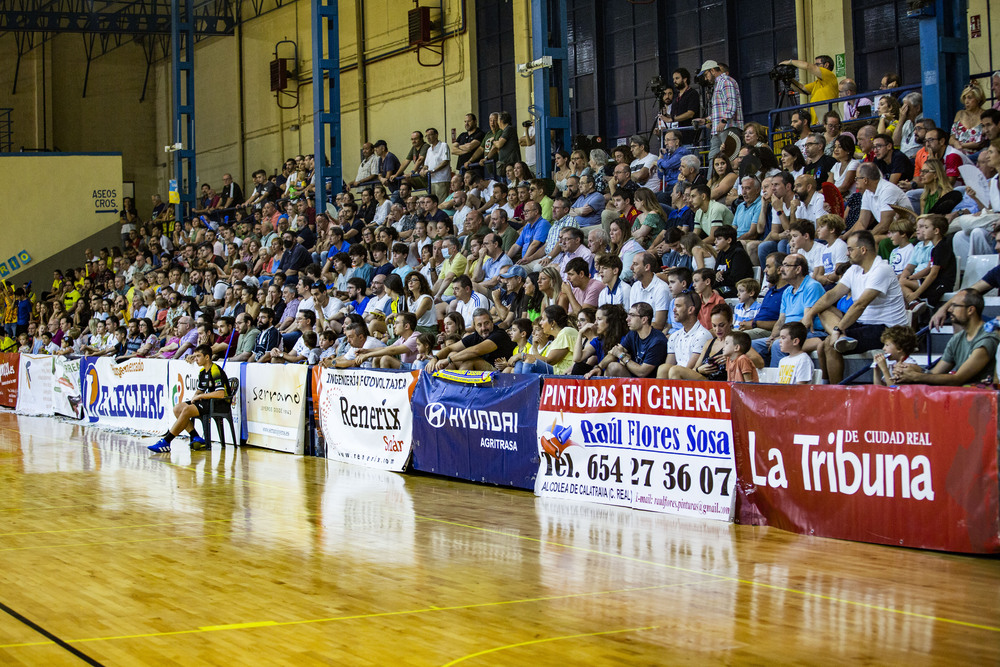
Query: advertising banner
130,395
66,387
9,373
656,445
183,383
483,433
275,400
34,384
910,466
365,416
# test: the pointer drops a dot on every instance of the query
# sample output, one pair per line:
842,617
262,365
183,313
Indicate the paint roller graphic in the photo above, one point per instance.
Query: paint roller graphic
557,439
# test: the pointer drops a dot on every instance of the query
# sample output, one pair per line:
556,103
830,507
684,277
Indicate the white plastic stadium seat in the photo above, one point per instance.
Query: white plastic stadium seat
767,375
976,266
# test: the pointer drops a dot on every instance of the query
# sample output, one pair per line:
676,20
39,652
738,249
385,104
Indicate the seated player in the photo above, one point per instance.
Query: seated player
212,384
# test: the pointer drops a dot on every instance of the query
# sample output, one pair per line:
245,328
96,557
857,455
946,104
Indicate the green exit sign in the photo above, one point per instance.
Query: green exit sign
840,64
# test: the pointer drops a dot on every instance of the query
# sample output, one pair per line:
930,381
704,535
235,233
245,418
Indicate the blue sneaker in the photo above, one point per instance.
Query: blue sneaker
198,443
161,446
845,344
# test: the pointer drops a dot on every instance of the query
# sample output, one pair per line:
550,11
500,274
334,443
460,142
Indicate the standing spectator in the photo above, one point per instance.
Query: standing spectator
727,107
467,147
388,165
436,169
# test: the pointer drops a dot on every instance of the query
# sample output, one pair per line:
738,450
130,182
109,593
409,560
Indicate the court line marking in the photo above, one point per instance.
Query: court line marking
61,643
547,639
381,614
722,577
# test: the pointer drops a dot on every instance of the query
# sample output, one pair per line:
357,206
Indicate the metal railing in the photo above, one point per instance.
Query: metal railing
771,115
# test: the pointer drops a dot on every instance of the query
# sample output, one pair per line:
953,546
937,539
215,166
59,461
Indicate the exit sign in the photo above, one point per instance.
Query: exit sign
840,64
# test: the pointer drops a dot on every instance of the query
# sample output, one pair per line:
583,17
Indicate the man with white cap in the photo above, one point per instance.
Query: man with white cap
727,107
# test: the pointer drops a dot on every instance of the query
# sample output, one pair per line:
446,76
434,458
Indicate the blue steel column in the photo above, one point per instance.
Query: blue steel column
944,57
549,23
182,56
326,101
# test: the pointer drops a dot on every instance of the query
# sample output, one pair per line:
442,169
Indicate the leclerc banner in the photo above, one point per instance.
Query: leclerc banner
649,444
34,384
276,406
910,466
130,395
365,416
9,367
483,433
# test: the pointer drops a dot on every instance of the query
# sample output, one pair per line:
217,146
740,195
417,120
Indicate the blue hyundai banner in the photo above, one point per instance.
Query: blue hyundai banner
483,433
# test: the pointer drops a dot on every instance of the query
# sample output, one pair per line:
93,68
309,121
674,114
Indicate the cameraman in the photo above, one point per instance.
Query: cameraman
686,105
823,88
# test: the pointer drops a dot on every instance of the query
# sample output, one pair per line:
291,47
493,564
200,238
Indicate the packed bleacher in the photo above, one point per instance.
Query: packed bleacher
695,252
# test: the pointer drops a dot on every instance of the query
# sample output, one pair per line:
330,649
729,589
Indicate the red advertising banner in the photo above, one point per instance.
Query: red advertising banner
911,466
9,364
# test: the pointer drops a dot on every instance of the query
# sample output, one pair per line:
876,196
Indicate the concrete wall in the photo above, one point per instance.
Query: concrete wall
79,198
50,111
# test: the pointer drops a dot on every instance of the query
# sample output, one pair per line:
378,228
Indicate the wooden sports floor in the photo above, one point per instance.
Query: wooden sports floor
113,556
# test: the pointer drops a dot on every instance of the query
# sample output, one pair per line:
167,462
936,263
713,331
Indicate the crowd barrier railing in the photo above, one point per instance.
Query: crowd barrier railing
910,466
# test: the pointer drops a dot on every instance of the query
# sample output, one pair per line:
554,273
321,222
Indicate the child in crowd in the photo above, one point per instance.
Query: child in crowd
425,350
66,349
898,343
539,339
311,343
739,368
326,347
939,276
519,331
24,343
797,367
900,231
920,256
745,312
48,347
829,229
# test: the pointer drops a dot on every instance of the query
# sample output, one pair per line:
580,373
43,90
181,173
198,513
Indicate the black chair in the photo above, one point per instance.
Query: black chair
221,411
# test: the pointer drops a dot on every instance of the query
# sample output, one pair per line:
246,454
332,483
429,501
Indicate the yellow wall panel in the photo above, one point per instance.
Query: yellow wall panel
83,195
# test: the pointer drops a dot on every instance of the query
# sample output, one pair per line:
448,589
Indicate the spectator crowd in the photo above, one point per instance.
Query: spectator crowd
641,263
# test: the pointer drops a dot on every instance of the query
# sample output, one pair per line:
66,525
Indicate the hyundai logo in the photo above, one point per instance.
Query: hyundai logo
435,414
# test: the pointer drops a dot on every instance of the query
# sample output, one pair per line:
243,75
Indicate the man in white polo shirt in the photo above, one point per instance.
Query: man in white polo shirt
877,199
648,288
467,300
685,345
